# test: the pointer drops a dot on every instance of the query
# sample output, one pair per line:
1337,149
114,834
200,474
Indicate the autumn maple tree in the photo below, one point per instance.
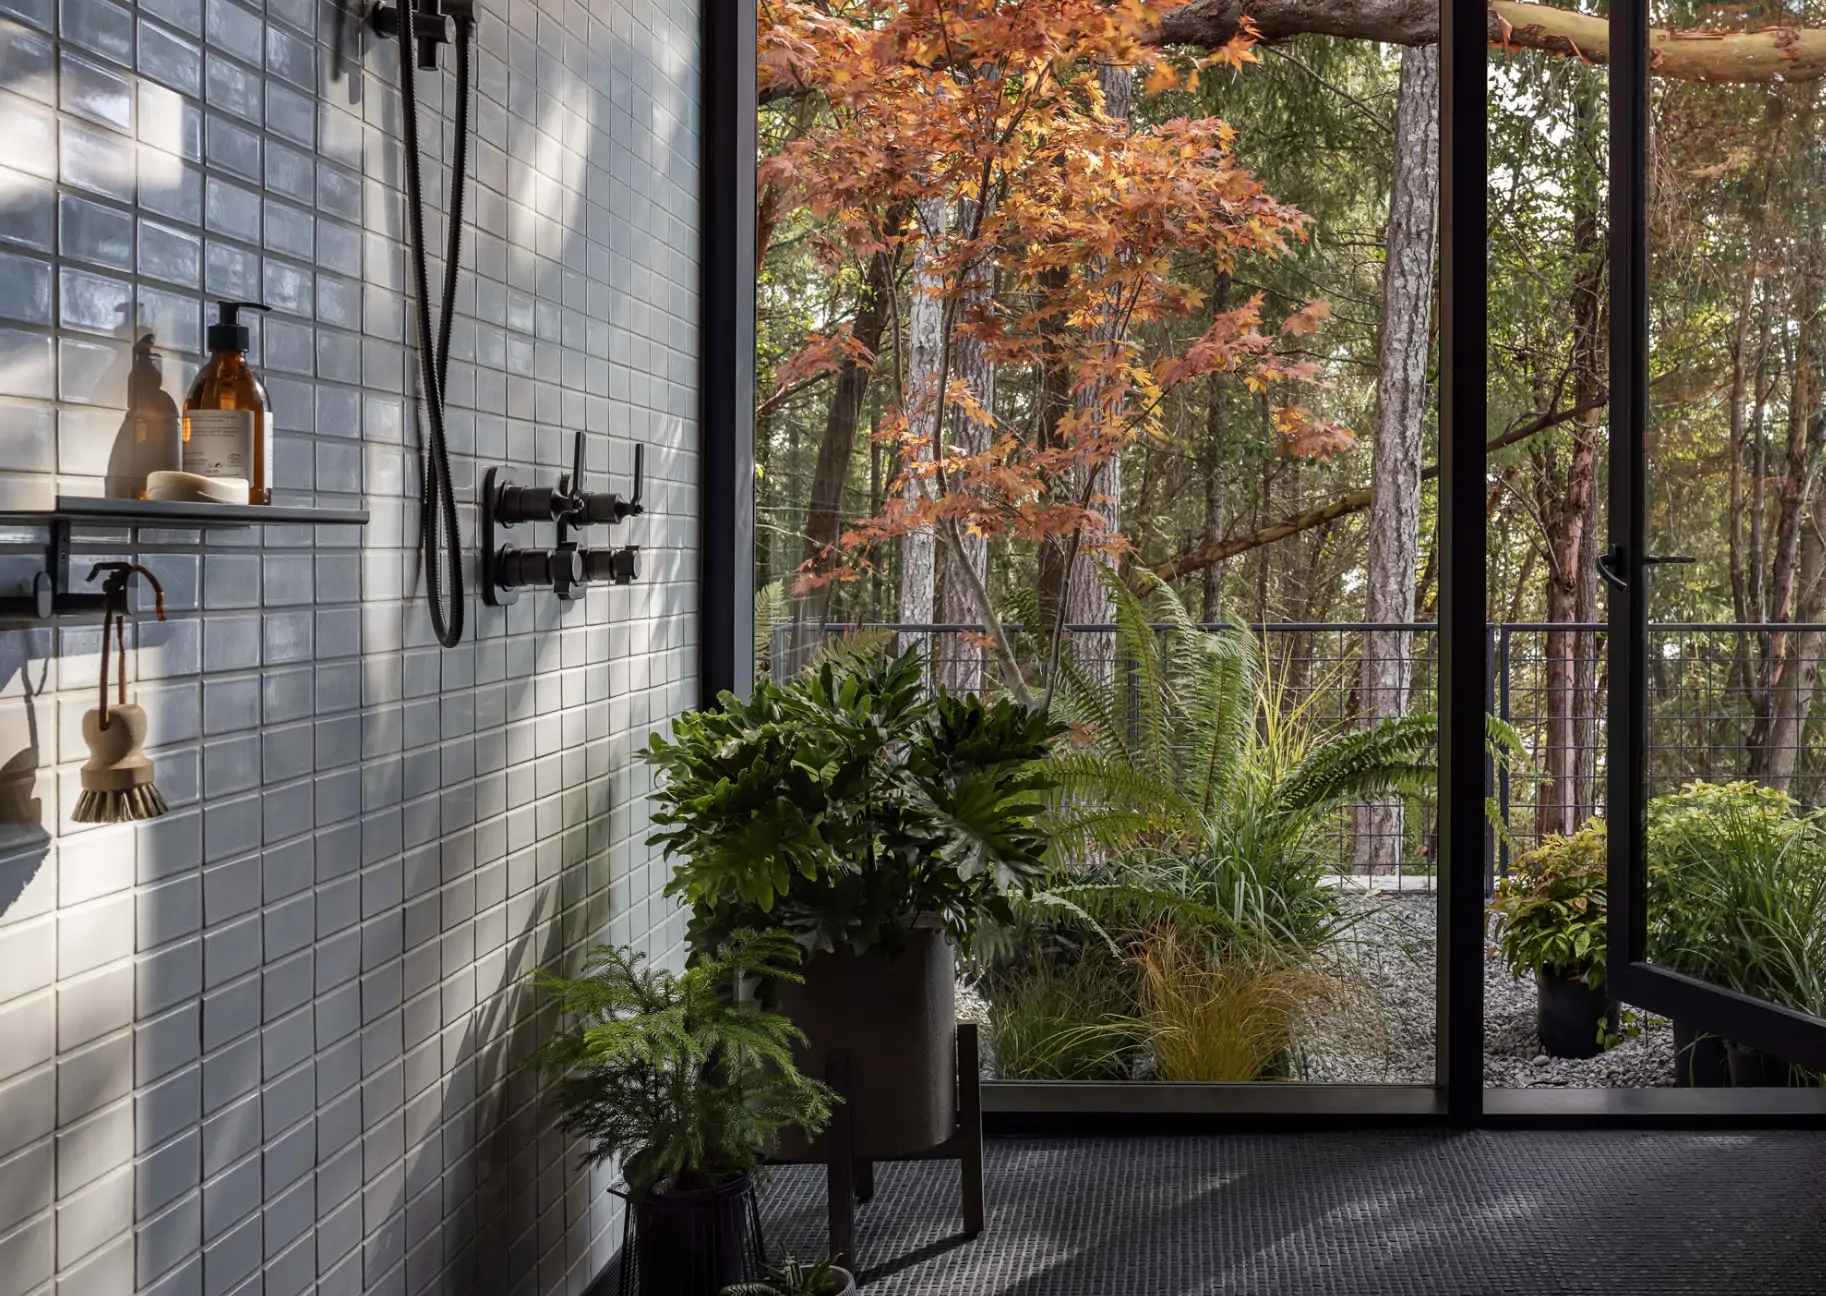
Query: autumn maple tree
976,138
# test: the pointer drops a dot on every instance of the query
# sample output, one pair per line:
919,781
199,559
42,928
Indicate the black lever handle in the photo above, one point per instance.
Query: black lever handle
610,507
1608,567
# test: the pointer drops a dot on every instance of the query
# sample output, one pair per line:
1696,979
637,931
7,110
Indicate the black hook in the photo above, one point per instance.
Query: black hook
114,589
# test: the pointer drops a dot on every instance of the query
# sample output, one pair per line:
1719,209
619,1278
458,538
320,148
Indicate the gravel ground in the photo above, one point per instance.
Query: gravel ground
1381,1029
1392,961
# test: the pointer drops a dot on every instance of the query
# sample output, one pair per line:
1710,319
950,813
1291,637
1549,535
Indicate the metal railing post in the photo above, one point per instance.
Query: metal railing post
1502,773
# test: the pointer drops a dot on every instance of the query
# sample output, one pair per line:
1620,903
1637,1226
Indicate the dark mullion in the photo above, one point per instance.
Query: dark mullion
726,372
1463,373
1627,643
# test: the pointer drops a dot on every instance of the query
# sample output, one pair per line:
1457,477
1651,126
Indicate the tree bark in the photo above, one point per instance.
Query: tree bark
1401,412
1791,696
1212,467
962,664
824,511
1569,513
1086,600
925,343
1796,595
1772,54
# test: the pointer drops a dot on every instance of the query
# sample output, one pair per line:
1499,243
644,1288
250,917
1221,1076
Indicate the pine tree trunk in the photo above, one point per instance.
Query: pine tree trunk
1791,699
1087,602
1571,516
1211,465
1401,415
925,342
962,663
824,511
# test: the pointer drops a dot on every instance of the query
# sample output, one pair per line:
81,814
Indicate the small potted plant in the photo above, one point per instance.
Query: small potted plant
689,1083
1550,914
879,824
792,1278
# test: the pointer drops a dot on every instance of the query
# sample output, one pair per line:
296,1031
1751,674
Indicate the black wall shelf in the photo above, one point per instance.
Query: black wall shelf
54,593
181,514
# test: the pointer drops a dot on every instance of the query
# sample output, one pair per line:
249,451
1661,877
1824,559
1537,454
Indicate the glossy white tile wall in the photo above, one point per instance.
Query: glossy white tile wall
267,1043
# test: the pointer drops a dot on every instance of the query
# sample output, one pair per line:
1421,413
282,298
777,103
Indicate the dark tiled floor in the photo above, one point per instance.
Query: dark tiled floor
1347,1214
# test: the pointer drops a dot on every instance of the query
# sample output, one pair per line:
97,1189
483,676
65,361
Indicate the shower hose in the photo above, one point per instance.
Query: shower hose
441,547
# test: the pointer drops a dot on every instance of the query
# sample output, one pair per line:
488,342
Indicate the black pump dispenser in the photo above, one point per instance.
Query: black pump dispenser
228,333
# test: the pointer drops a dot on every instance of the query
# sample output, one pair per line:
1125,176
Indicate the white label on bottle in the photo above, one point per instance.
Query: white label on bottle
219,443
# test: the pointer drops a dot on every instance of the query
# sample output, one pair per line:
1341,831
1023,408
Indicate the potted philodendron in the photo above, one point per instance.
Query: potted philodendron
1737,898
1550,925
689,1083
793,1278
879,824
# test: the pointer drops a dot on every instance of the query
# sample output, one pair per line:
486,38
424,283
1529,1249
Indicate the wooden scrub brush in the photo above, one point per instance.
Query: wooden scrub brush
117,782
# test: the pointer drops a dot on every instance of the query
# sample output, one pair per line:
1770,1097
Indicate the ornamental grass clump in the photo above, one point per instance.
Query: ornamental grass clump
678,1075
1736,891
1065,1020
1217,1011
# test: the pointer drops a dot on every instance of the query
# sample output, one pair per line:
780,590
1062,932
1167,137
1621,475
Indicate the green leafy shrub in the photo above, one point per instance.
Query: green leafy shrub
846,803
1058,1020
678,1076
1737,891
1550,911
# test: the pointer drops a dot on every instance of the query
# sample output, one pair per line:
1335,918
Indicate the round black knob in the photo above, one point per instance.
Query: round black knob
625,565
529,504
522,567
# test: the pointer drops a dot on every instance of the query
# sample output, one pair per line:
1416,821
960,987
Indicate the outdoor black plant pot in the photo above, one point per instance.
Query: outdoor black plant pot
895,1018
1569,1014
1751,1068
695,1242
1699,1059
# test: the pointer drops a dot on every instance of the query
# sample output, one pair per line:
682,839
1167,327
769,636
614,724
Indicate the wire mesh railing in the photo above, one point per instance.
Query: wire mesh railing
1726,701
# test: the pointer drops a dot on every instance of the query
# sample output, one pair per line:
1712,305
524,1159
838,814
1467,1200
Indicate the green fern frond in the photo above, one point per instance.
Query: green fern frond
1394,756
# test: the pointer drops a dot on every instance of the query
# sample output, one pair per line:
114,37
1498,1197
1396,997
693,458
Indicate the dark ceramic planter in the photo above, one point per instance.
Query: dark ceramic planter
1754,1069
895,1018
1569,1014
1699,1059
697,1242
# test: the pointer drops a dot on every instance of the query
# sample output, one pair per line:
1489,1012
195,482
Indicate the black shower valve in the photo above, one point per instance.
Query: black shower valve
560,569
513,503
616,566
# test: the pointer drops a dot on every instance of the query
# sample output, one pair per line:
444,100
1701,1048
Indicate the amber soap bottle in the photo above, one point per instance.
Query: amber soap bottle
228,421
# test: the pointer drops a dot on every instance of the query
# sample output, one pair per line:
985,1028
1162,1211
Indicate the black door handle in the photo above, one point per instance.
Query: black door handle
1607,568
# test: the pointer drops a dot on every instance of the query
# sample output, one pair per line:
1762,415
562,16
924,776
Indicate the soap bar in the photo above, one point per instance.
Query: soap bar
196,488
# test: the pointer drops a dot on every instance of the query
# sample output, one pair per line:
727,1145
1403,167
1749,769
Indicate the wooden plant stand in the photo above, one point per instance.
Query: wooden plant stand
849,1180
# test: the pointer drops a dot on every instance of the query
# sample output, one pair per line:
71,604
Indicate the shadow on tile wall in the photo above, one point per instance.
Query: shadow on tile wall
269,1043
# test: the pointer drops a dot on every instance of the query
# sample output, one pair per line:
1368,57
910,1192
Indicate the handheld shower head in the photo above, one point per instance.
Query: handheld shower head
426,25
